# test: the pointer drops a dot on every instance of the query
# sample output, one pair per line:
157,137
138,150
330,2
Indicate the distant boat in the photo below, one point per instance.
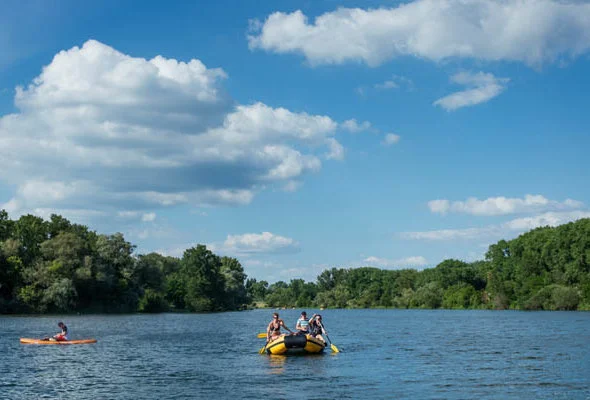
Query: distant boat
58,342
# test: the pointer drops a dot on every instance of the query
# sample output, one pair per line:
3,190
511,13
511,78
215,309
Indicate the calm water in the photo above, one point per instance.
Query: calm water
386,354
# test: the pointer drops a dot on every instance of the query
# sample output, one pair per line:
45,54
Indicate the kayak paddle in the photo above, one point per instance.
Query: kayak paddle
332,345
263,349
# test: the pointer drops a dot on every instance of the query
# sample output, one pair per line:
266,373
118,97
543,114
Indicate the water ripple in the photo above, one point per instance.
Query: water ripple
407,354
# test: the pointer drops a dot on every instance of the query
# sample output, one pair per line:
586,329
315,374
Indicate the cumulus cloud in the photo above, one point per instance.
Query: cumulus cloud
128,134
352,125
510,228
436,30
501,205
482,87
415,261
265,242
390,138
336,150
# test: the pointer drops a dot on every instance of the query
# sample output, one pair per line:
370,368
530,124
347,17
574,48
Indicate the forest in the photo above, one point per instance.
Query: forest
56,266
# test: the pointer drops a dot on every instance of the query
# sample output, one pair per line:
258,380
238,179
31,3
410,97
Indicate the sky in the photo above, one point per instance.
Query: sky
298,136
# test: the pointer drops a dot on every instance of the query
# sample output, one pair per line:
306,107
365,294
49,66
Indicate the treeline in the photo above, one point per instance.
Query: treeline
57,266
544,269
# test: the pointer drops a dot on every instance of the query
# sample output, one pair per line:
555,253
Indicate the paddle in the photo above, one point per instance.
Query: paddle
261,335
332,345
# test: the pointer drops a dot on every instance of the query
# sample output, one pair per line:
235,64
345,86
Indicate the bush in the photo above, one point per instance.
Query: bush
428,296
554,297
152,302
565,298
459,296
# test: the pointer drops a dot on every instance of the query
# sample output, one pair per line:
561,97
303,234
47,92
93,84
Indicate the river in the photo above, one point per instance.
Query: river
385,354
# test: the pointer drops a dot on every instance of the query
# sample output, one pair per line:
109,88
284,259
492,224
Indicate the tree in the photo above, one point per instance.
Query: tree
6,226
233,277
30,231
428,296
57,224
201,270
256,290
113,269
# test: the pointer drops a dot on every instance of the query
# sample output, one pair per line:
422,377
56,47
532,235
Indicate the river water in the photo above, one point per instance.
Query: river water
385,354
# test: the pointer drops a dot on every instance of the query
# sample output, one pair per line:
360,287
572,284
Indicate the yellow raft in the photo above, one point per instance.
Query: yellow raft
41,341
295,344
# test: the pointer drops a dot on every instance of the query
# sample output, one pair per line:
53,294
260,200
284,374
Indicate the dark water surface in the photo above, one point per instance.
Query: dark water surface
386,354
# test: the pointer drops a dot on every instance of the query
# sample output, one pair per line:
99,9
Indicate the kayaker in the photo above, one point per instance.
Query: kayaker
302,324
315,327
273,331
63,335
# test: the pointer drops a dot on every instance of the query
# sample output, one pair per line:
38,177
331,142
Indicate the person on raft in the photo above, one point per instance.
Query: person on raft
63,335
273,331
302,325
315,327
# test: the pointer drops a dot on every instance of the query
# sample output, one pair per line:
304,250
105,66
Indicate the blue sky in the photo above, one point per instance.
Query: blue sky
298,135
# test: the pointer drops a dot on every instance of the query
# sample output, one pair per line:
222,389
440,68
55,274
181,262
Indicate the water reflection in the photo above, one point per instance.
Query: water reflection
276,364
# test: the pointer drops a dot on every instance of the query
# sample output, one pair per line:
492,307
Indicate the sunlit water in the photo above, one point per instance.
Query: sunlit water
386,354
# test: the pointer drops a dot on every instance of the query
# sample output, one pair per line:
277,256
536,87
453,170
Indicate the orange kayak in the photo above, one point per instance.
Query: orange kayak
40,341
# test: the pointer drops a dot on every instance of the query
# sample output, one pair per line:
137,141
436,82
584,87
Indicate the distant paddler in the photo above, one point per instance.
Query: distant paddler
62,336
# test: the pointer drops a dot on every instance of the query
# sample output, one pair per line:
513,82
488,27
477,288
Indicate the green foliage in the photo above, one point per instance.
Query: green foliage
57,266
6,226
461,296
256,290
201,271
60,296
428,296
546,268
30,231
152,302
233,276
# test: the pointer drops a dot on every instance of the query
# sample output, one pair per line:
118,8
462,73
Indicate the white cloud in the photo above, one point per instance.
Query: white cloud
265,242
292,186
390,138
501,205
439,206
98,127
395,82
436,30
546,219
510,228
414,261
353,126
336,150
148,217
482,87
389,84
128,214
451,234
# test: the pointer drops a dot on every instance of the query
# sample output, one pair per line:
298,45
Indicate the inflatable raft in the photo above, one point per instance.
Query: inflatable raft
41,341
295,344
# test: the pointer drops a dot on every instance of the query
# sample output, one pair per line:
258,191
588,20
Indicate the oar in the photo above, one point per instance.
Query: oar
262,335
332,345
